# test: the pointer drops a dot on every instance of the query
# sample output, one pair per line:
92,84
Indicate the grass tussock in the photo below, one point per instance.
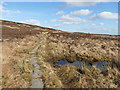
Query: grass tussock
90,77
58,48
50,78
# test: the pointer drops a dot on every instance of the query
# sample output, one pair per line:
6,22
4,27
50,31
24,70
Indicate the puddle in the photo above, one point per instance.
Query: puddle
62,62
100,65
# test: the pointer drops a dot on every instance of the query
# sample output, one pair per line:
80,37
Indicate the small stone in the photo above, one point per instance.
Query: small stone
33,52
35,57
37,83
36,66
38,72
33,61
35,75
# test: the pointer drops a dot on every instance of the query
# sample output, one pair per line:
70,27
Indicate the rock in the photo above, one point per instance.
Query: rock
36,66
33,52
34,57
33,61
38,72
36,75
37,83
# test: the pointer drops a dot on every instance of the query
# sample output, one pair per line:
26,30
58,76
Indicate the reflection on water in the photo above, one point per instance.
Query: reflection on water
100,65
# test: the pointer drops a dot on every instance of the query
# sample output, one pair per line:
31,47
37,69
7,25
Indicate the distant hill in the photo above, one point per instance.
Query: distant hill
19,30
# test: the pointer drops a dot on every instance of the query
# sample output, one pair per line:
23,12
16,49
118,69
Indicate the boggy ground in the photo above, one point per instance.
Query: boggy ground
19,39
77,46
81,47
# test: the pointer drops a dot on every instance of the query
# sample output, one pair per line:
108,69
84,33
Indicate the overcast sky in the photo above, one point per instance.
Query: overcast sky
92,17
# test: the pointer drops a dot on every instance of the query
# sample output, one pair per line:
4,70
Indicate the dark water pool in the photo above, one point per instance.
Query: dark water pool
100,65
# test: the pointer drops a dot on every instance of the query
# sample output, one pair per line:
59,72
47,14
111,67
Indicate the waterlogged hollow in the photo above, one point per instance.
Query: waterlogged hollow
100,65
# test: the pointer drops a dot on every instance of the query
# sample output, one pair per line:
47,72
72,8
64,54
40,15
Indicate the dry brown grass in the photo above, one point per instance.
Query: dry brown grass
20,39
67,76
91,77
15,66
50,78
59,47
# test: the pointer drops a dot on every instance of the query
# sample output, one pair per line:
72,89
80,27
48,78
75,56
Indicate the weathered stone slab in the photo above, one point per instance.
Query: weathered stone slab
33,61
34,57
36,75
33,52
37,83
39,72
36,66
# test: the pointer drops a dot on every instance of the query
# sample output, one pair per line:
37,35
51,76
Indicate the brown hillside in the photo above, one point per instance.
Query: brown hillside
19,39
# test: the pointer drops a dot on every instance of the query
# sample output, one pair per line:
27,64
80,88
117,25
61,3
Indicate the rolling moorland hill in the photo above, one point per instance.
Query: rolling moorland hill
19,39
